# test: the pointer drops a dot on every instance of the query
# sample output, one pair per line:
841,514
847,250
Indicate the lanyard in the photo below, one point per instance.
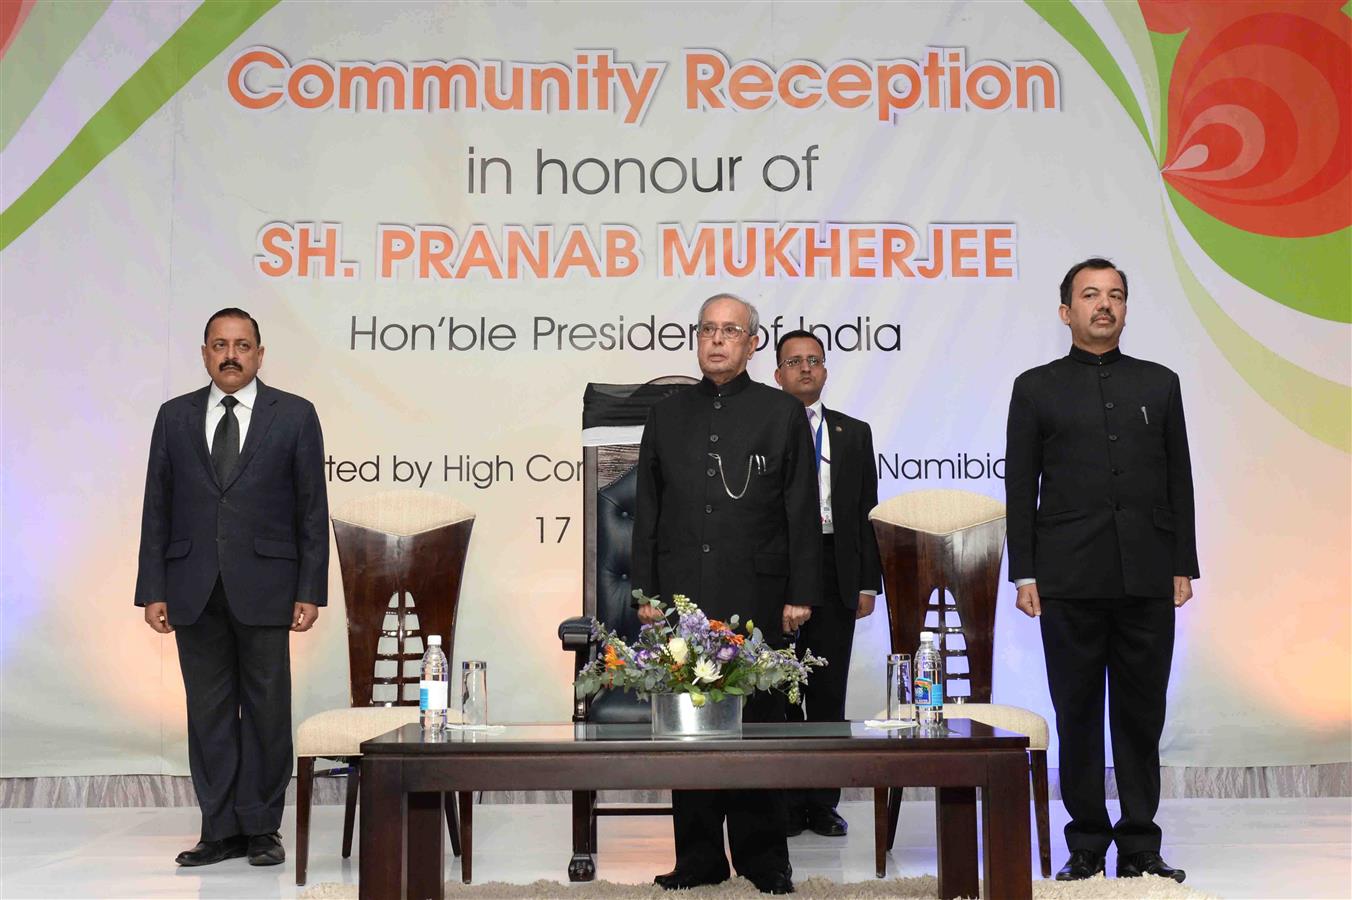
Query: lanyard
818,440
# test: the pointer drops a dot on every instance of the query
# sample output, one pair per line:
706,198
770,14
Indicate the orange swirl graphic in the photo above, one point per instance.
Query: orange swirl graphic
1259,110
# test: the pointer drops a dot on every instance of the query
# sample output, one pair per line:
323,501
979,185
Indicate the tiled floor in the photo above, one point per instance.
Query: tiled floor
1232,848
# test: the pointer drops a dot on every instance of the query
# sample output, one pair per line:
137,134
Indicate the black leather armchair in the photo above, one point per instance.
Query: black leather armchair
610,484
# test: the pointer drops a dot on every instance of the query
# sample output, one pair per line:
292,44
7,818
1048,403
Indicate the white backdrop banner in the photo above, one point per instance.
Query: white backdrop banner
448,218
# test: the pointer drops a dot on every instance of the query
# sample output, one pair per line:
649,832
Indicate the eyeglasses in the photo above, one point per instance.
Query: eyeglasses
812,362
730,332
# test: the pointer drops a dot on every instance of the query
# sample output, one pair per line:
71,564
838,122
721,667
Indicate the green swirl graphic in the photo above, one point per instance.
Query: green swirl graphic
1308,274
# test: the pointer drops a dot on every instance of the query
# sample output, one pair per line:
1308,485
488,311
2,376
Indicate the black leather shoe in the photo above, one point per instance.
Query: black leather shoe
797,822
773,883
827,822
1146,862
680,879
266,849
208,853
1081,865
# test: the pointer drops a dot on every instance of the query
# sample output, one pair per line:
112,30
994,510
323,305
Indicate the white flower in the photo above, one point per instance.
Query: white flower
679,650
707,670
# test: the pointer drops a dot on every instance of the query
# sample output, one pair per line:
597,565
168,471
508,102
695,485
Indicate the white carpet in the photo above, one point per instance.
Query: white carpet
1236,849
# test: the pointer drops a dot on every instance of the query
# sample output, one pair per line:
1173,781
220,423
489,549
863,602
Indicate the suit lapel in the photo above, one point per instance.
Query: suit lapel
839,450
260,420
197,421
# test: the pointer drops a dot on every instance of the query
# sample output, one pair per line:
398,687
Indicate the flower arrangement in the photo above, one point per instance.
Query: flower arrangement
687,652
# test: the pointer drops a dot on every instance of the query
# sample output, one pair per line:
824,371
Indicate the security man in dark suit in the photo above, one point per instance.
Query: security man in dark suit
727,514
847,486
234,556
1102,547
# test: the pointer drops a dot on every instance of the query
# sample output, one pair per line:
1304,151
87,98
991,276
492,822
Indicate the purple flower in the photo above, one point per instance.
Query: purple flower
726,653
694,624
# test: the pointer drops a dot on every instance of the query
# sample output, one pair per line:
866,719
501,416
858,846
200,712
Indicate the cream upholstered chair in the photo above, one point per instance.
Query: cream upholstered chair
402,555
941,552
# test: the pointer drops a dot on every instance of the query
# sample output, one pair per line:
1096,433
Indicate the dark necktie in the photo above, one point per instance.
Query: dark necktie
816,428
225,443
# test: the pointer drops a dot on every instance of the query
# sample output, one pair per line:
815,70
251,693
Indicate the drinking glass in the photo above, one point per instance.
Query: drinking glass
898,686
474,692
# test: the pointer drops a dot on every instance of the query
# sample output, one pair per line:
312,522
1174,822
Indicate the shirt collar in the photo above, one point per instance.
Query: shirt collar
245,395
736,386
818,409
1094,359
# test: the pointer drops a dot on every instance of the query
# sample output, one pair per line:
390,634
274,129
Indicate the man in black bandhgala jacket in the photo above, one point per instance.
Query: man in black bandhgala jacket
727,514
1102,547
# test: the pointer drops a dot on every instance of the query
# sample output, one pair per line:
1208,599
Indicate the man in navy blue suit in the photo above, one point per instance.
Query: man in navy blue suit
234,556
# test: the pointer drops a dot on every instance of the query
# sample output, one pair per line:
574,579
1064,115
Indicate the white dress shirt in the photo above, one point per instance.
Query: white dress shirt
243,411
817,421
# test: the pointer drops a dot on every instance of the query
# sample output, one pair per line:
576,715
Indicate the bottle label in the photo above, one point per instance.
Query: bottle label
432,694
927,693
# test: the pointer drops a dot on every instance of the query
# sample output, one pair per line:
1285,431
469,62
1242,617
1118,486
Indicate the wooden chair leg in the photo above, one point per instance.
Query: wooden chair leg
595,842
582,865
880,797
1037,764
893,814
466,836
448,802
350,810
305,776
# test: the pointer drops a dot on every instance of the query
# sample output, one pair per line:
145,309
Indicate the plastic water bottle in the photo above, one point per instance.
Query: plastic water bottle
433,688
929,682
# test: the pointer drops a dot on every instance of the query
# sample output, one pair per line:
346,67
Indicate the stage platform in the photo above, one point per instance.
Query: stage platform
1232,848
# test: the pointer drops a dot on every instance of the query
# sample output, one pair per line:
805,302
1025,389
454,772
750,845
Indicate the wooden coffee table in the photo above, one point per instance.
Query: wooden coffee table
403,778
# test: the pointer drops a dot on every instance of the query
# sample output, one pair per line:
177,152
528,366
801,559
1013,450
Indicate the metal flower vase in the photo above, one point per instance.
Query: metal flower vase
676,717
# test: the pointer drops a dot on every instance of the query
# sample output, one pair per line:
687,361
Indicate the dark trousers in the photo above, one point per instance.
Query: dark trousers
238,682
755,818
830,635
1132,640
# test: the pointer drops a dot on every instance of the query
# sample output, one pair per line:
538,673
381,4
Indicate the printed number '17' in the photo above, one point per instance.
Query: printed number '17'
563,527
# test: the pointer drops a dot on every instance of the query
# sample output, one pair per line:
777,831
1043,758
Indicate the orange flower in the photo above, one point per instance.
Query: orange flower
716,625
738,640
613,660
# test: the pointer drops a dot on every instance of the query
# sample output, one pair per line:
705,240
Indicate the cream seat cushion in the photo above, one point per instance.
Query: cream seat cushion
1014,719
402,512
339,732
938,511
1007,718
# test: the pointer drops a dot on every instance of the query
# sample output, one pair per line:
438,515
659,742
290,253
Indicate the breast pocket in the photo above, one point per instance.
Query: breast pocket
1149,417
745,475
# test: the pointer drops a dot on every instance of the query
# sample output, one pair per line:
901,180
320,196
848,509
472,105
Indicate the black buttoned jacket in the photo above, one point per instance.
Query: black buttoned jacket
747,556
1098,482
